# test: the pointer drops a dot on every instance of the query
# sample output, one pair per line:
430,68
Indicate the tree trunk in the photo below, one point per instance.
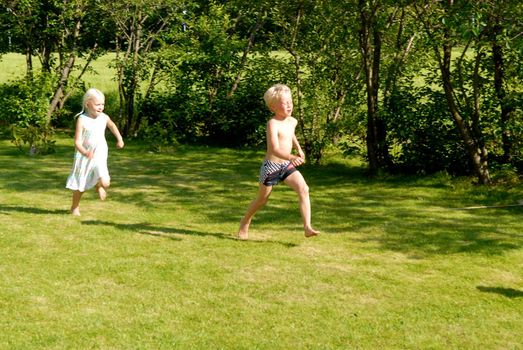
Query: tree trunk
381,127
499,87
476,114
370,44
477,157
128,90
148,92
72,86
29,63
121,88
66,70
59,91
307,145
250,44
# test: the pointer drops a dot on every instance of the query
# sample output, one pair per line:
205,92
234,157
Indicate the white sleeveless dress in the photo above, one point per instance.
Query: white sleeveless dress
86,172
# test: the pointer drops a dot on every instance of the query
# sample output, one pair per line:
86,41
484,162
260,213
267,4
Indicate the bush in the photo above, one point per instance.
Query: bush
38,138
24,107
423,134
187,113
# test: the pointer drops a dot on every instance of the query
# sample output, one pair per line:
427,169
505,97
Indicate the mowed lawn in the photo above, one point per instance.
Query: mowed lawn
400,264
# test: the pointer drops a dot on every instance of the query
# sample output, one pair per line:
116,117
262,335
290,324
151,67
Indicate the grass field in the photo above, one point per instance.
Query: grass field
101,76
399,264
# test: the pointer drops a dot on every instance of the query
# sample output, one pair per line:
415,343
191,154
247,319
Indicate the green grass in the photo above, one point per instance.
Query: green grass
101,75
398,265
12,66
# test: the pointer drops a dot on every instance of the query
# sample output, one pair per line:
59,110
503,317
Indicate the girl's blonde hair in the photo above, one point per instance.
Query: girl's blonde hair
89,94
275,93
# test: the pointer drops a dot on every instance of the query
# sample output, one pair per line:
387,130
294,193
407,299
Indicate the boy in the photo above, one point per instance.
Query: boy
280,164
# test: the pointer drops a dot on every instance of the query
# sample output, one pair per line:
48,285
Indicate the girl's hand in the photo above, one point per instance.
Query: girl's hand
119,144
89,154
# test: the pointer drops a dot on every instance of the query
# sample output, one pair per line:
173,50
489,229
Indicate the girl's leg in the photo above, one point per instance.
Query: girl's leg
102,186
75,207
261,199
298,184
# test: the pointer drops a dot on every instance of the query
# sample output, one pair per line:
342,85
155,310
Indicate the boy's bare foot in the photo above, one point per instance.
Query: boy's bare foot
102,193
243,236
243,232
75,211
310,232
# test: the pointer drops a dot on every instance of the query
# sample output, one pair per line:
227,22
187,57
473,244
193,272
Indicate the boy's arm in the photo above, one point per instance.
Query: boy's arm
114,129
296,146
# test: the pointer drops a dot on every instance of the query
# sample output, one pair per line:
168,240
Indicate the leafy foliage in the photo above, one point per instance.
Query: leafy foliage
424,137
24,105
193,71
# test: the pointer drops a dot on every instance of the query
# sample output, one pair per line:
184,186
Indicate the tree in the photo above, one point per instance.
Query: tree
217,76
25,21
502,30
442,23
73,43
371,44
323,67
53,31
386,40
140,24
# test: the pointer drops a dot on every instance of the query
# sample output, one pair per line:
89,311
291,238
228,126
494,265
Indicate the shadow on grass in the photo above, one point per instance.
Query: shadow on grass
507,292
169,232
407,214
414,215
23,173
31,210
441,231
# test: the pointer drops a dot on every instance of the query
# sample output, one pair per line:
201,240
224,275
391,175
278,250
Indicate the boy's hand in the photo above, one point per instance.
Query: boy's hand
297,160
302,155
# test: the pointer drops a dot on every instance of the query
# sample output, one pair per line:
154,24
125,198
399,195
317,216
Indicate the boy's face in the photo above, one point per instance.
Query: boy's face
96,106
283,107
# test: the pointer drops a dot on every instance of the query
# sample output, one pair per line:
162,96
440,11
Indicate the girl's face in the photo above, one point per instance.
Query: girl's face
283,107
95,106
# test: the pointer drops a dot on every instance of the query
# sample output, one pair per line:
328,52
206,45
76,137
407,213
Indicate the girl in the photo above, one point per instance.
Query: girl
90,158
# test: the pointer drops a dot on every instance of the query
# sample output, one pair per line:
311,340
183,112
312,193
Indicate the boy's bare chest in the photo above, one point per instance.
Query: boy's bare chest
285,129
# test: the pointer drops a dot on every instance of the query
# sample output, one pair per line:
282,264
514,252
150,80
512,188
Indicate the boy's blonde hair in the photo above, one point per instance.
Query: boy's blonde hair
275,93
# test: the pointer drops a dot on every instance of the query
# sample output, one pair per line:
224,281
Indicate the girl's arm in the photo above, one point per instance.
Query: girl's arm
114,129
78,140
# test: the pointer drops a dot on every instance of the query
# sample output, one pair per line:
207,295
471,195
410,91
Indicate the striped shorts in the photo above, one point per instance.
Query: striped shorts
271,172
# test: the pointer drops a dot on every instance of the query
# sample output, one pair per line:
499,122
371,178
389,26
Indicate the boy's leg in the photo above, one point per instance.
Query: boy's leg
263,195
298,184
75,206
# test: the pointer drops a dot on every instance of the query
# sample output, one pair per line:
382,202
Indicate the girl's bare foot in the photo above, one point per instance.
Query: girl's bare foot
75,211
102,193
310,232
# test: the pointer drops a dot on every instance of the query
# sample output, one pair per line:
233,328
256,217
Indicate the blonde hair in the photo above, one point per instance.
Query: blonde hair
90,94
275,93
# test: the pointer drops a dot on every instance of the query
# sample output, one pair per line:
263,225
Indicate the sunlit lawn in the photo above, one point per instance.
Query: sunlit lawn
399,264
101,75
